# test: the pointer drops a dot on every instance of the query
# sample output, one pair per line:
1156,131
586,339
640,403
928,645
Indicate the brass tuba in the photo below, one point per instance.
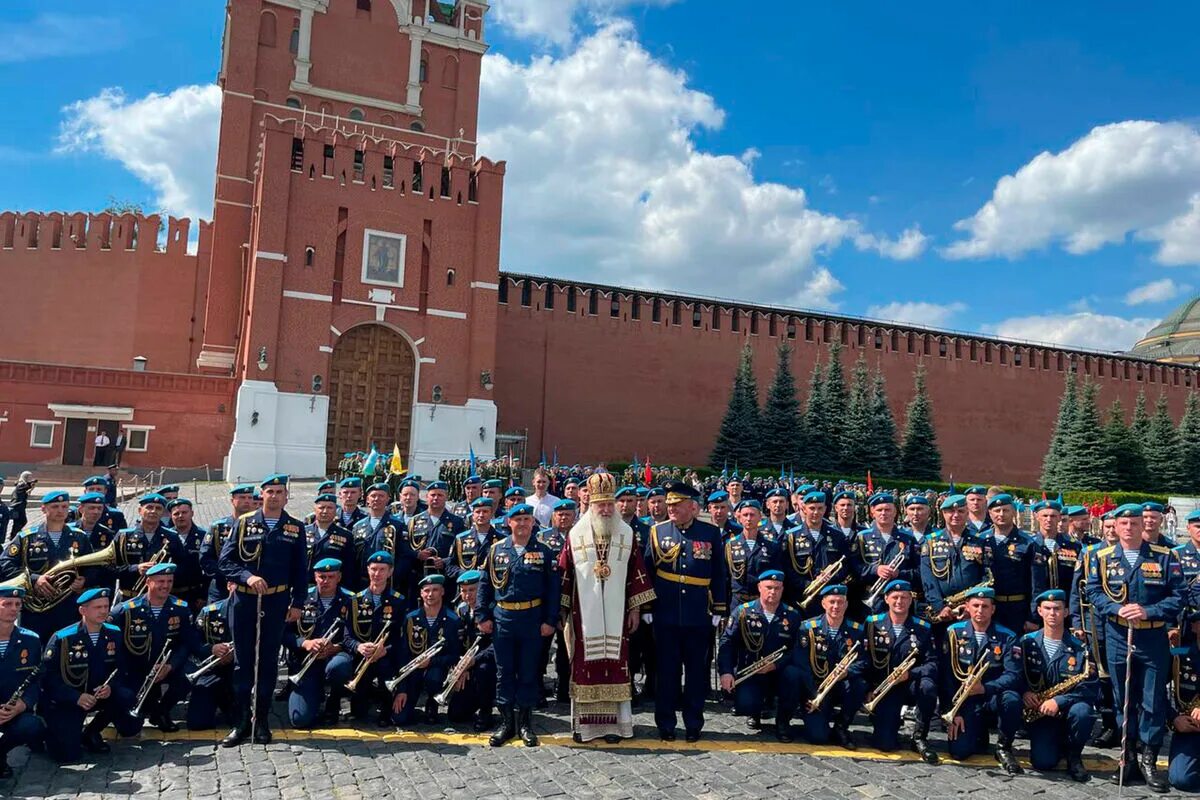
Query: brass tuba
62,575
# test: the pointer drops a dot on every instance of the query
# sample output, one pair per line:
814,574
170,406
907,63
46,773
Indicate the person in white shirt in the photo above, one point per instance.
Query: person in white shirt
541,499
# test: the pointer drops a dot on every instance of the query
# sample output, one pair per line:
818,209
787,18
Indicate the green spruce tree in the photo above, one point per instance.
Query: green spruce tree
1164,454
1141,418
920,458
816,429
1053,477
1129,463
883,430
737,440
1189,442
834,402
1088,464
782,435
856,429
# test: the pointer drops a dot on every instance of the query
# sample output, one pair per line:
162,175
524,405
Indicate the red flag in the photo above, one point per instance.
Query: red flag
870,486
649,476
1043,495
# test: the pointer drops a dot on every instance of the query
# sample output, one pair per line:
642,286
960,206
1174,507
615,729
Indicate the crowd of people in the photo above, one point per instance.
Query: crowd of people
814,605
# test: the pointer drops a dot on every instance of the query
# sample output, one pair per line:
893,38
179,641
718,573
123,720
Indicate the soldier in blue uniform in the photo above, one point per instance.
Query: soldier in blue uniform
190,585
656,506
139,545
562,519
823,641
326,538
472,545
1061,723
315,635
372,636
476,693
845,514
721,513
1153,515
382,531
879,546
749,553
810,547
1188,554
82,663
891,638
1184,770
978,517
518,606
995,699
757,629
1018,567
349,511
241,499
20,668
91,511
918,519
1063,550
432,532
429,623
775,519
686,560
1088,626
1137,589
641,641
35,550
151,624
212,691
266,556
111,517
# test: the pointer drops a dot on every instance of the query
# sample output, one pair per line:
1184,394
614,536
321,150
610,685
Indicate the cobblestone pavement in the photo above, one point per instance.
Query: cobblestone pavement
435,762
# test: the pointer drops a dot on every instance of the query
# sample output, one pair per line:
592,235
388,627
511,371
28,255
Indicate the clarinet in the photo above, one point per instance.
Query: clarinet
25,684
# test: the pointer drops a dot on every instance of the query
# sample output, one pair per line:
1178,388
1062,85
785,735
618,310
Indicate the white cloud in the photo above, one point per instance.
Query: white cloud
1081,329
555,21
930,315
1129,178
168,141
605,182
58,35
1155,292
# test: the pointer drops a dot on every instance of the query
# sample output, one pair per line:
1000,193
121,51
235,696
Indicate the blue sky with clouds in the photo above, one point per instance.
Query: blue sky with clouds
1027,169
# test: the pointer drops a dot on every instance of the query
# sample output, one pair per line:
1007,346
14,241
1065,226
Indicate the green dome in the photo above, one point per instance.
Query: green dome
1176,338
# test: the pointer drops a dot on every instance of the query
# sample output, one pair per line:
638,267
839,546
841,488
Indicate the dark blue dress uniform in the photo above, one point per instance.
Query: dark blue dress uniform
34,551
20,662
135,546
190,584
818,650
113,518
477,697
872,551
1189,561
144,635
468,551
746,560
210,556
948,568
438,536
1019,572
1155,581
886,649
804,553
212,691
74,664
1063,736
1062,555
277,554
368,615
316,616
691,586
750,636
336,542
1184,769
389,536
555,540
417,635
1001,699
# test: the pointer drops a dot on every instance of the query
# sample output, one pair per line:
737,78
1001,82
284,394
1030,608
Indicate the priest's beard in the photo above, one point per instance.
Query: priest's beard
604,529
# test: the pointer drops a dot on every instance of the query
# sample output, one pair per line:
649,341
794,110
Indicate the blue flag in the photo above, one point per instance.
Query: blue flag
372,460
471,449
952,491
555,455
542,463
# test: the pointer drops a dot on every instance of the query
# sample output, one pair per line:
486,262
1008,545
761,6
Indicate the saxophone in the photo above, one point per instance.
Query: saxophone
1062,687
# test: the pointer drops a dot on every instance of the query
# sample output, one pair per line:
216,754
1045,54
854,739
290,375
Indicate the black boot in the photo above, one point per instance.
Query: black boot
783,730
1076,769
1110,735
753,722
525,726
161,719
507,729
262,728
240,732
1006,758
91,739
333,707
1129,774
842,737
483,721
922,748
1155,780
6,771
431,711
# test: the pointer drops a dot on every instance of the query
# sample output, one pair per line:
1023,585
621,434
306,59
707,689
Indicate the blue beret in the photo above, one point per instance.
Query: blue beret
153,497
626,491
179,501
382,487
985,592
170,488
326,498
95,480
520,510
1128,510
57,496
493,483
473,480
1077,511
977,489
771,575
897,585
879,498
573,480
350,483
844,494
514,491
1040,505
438,485
165,568
916,500
643,492
719,496
328,565
834,588
1193,516
734,479
814,496
1050,596
1002,499
274,480
469,577
256,494
483,502
1107,515
241,488
565,504
777,493
381,557
434,579
954,501
657,491
749,502
91,497
11,591
94,594
1152,506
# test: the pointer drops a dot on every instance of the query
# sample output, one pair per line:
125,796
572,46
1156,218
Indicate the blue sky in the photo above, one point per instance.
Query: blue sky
1026,169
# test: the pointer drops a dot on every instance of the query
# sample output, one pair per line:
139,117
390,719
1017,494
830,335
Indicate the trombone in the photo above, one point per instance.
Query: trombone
411,667
747,672
366,663
877,590
149,684
308,661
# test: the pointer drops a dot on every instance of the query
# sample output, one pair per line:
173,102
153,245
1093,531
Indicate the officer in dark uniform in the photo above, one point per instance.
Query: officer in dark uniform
91,511
1153,515
20,670
324,487
327,538
190,585
266,556
953,560
372,637
145,543
845,513
918,519
431,532
823,642
150,625
1188,554
1088,626
893,638
1018,567
997,697
1138,590
884,552
241,498
775,517
476,695
562,519
382,531
472,545
686,560
212,691
1059,717
656,505
429,623
319,635
641,641
810,547
749,553
349,511
719,511
37,549
494,488
518,606
82,664
1184,770
112,517
977,512
1063,551
760,629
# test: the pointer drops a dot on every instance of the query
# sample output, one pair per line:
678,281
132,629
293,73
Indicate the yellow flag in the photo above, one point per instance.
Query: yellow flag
397,463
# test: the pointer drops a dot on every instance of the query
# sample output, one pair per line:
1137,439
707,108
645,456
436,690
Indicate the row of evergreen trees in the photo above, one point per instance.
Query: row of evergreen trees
1148,454
844,431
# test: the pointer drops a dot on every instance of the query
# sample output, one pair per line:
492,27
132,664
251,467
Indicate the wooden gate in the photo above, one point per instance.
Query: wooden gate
370,393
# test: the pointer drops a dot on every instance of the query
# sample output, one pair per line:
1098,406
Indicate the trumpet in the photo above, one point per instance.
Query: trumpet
464,663
149,684
890,681
206,666
835,676
139,588
749,671
877,589
366,663
974,677
820,582
311,657
62,577
1062,687
411,667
